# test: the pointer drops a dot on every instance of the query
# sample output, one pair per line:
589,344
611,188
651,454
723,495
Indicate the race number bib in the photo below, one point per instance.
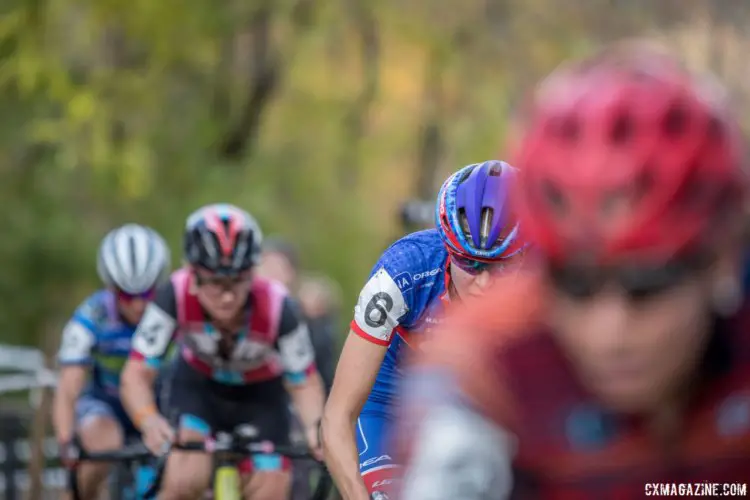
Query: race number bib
76,343
380,306
296,350
154,332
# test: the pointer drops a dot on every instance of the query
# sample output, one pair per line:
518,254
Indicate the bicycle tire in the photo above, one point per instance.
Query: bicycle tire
325,485
122,481
75,491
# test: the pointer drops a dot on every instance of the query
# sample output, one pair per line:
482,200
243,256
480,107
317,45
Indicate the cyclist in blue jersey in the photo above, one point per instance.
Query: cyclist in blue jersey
408,288
95,344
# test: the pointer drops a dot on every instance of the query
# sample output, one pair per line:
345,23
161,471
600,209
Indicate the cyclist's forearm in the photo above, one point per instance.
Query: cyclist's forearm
137,391
72,381
342,459
308,399
63,416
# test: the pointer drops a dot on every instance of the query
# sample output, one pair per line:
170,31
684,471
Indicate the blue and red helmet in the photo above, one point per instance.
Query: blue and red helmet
222,238
473,214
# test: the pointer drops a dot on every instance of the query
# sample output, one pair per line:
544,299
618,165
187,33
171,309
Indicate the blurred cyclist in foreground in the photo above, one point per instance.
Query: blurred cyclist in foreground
242,345
95,345
414,279
624,359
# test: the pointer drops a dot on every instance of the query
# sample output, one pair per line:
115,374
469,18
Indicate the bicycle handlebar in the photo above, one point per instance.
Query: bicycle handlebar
235,447
139,453
131,453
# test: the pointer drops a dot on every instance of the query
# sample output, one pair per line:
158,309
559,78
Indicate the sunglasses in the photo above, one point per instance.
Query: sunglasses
475,267
638,283
217,284
129,297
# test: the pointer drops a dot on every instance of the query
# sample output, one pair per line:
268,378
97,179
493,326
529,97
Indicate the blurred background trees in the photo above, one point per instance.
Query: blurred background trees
320,117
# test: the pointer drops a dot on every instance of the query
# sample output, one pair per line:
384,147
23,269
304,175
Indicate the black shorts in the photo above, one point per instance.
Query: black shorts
198,403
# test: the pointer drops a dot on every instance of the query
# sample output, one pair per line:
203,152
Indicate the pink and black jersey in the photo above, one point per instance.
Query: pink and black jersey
274,342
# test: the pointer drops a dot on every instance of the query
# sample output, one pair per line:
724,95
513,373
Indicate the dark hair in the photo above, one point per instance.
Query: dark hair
282,247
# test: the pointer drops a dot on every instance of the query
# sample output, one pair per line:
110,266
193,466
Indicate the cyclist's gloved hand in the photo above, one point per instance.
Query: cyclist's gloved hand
69,452
157,434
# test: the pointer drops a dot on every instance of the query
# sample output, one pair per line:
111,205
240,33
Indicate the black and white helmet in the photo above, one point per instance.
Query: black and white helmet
222,238
133,259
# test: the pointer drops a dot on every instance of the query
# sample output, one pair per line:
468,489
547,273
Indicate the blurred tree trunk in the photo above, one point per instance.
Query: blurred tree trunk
263,58
431,145
303,14
366,25
265,66
41,419
221,102
119,56
496,15
38,434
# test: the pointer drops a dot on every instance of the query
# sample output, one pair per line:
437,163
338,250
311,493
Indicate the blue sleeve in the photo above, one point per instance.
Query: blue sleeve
79,335
389,299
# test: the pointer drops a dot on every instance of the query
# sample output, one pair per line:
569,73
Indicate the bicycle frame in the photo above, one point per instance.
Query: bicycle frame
227,483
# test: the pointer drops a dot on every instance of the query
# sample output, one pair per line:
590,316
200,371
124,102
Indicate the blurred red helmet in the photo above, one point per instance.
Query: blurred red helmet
627,155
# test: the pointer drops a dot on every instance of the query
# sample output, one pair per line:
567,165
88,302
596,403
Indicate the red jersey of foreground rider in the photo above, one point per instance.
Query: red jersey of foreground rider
623,358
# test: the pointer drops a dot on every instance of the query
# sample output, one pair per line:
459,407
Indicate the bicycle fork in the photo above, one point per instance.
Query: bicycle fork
227,481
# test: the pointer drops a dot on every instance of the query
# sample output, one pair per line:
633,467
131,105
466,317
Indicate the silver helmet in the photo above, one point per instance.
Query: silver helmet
133,258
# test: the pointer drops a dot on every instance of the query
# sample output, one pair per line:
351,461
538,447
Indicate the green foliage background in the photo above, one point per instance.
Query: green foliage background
114,111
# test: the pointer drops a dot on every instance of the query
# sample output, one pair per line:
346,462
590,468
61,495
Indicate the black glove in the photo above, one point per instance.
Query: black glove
69,452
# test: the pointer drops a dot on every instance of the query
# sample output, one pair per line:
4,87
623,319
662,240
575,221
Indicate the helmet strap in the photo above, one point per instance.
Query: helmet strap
452,291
